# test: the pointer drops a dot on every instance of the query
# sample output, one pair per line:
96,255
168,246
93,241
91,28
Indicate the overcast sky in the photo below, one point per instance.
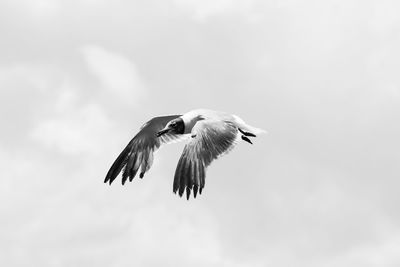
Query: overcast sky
78,79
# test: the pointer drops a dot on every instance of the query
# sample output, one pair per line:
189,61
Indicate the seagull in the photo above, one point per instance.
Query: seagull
211,134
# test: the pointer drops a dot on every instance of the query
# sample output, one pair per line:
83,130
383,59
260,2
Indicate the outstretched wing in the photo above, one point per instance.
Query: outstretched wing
211,139
139,151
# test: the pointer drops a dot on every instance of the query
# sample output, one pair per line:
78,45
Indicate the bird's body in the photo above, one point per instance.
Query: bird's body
192,117
211,133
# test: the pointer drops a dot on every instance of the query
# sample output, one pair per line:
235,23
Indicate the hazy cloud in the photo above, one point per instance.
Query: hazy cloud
115,72
75,130
201,10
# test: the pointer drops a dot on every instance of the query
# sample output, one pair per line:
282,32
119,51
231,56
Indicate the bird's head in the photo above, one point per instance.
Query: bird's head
175,126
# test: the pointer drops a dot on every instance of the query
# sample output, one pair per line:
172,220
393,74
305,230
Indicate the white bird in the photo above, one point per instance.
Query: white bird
212,133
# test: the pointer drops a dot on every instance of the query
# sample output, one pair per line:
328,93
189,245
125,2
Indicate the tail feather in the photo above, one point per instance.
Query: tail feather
254,130
247,128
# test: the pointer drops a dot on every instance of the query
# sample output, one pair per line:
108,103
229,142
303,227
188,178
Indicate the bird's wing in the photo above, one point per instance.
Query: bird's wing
139,151
210,139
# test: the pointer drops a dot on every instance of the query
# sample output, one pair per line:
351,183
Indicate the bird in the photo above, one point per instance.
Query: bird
210,134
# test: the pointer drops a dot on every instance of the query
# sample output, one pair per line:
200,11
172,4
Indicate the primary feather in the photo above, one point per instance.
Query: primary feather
139,151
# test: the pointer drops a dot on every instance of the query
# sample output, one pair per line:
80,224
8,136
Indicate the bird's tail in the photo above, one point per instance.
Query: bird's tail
247,128
254,130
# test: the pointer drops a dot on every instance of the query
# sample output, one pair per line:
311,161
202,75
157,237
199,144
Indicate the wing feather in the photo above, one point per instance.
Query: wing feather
130,166
139,151
213,138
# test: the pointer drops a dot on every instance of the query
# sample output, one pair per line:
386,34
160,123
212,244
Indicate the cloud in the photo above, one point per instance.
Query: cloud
40,9
26,92
116,73
77,123
48,106
75,131
37,75
384,252
202,10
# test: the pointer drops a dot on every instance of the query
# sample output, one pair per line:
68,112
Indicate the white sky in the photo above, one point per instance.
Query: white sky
78,79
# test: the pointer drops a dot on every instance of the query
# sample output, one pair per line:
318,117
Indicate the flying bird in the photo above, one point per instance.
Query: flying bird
211,133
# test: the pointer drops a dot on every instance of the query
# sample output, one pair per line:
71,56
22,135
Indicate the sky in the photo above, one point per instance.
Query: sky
79,78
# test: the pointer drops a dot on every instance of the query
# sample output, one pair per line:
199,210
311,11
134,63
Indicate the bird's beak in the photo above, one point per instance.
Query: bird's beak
163,131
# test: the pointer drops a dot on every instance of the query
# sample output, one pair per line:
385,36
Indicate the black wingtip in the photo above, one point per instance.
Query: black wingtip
246,139
247,133
187,193
141,175
181,191
108,180
125,175
118,165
